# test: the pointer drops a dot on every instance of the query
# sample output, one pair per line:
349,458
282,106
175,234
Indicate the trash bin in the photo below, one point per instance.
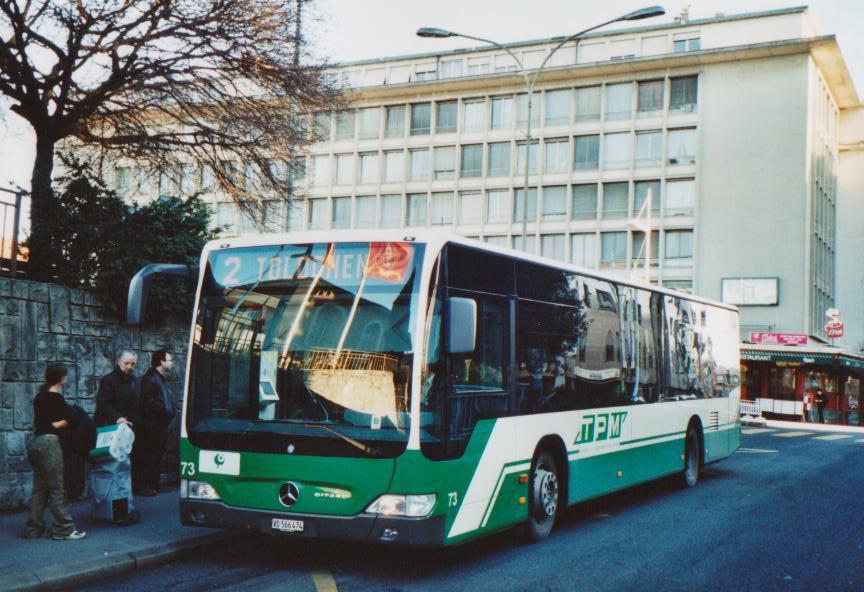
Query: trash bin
111,475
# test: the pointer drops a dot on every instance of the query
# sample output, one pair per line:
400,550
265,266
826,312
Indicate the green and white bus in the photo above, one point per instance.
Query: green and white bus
426,389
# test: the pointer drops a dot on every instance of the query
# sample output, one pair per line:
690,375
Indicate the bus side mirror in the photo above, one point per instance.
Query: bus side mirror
139,287
461,325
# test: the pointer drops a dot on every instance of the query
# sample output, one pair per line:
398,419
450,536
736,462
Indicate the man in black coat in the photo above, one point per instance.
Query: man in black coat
118,401
157,410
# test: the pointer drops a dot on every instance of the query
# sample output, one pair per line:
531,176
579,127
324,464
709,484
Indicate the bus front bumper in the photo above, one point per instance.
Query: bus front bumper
425,532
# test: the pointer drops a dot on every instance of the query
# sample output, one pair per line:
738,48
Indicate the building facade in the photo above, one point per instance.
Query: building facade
720,135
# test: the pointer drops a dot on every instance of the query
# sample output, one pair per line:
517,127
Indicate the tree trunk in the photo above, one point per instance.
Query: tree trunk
42,204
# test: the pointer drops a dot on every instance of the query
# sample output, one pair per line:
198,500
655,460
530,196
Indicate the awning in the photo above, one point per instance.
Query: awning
750,355
855,363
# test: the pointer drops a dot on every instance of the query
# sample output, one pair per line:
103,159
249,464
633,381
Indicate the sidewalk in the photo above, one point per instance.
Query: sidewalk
107,550
800,425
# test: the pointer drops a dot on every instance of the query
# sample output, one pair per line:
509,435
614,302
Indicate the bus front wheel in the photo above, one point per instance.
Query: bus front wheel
692,452
543,500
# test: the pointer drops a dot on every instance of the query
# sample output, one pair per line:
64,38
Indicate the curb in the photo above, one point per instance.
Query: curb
72,574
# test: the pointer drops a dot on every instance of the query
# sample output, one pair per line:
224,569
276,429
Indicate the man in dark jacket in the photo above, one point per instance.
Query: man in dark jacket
157,411
118,401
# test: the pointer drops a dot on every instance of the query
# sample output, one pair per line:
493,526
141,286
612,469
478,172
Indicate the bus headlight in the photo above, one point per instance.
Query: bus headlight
413,506
197,490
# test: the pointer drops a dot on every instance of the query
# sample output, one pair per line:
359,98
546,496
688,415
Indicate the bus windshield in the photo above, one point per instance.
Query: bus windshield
305,349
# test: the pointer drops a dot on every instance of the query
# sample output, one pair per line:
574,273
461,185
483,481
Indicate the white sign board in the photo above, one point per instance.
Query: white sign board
749,291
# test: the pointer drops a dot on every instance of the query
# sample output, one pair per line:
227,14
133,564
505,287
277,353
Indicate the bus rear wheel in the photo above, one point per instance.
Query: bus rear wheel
543,500
692,452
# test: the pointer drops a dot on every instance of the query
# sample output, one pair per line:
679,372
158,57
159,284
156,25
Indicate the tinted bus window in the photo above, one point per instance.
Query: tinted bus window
480,271
538,282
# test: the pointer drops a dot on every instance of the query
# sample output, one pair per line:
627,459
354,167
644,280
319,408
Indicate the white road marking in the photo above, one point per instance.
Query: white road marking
792,434
754,450
324,581
757,430
832,437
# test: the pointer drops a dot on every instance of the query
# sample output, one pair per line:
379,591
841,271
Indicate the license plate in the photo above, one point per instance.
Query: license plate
287,525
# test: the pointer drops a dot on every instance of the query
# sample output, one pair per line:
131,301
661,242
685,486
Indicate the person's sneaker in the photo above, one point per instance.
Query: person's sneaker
75,535
147,492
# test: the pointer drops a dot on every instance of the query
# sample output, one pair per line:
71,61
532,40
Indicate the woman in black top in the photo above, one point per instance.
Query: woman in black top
46,459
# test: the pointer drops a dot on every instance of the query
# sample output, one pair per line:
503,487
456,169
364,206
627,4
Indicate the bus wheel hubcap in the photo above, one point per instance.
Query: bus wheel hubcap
547,492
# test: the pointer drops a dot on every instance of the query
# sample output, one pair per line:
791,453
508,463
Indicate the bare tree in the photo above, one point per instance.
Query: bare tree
162,82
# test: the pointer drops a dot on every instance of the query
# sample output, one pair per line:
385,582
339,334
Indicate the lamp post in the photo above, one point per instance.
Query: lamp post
530,81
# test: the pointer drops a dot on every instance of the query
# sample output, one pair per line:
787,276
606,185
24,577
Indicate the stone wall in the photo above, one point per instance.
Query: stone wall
41,323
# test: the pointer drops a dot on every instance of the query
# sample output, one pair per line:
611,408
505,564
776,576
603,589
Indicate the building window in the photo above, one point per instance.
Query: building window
557,107
656,45
532,157
613,249
498,241
474,115
680,285
554,203
640,196
445,162
505,63
584,202
586,153
445,117
395,127
442,209
391,211
365,211
477,66
497,207
424,72
470,207
552,246
417,209
369,123
615,200
588,104
345,125
341,212
499,159
369,167
522,111
686,42
317,213
650,100
394,166
420,164
344,169
649,149
616,151
322,127
682,94
682,146
421,115
679,247
640,253
557,157
619,101
472,161
518,205
296,214
622,49
583,250
451,68
321,170
502,113
680,197
529,245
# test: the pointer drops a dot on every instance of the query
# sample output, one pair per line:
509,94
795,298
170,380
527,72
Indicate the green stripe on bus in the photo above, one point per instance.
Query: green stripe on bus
670,434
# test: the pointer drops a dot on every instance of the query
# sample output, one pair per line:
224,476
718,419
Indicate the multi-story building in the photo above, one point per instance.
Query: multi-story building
730,124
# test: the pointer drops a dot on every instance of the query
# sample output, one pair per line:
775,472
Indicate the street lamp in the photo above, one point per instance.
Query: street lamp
436,33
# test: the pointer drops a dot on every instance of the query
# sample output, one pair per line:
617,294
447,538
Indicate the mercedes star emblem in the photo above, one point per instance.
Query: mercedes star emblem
288,494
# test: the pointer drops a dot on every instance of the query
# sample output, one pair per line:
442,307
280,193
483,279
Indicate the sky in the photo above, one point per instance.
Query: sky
349,30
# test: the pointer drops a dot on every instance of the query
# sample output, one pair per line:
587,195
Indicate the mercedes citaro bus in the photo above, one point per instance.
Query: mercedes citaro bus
426,389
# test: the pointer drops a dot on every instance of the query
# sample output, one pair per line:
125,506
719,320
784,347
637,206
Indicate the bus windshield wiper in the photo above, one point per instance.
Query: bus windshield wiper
356,443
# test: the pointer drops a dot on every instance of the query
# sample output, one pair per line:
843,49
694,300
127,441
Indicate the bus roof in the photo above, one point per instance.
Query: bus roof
437,240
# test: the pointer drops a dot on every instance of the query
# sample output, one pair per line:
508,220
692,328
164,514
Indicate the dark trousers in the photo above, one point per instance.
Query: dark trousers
46,459
149,458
